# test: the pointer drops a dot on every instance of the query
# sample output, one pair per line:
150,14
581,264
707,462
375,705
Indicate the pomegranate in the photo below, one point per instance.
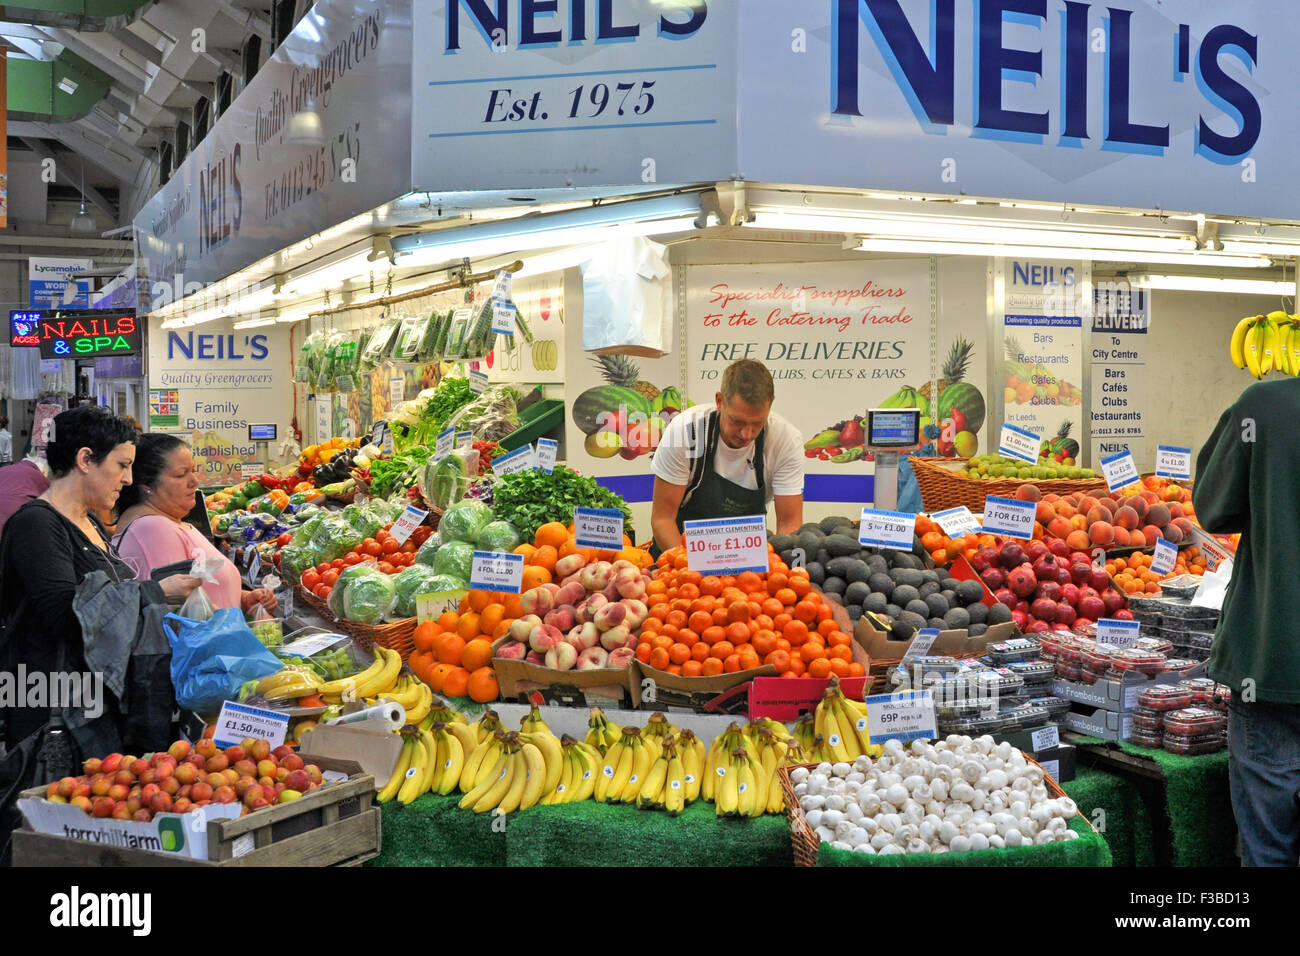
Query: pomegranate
1043,610
1045,568
1123,614
1091,607
1049,590
1022,580
1070,594
1080,572
1113,601
1099,579
993,578
1020,618
1011,555
984,558
1035,549
1066,615
1037,627
1058,548
1022,606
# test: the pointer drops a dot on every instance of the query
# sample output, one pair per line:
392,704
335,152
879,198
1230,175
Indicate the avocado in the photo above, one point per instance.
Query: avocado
833,586
822,556
957,619
909,576
970,592
893,610
937,605
835,598
999,614
928,588
854,613
828,525
816,573
950,584
913,619
810,541
903,631
935,622
841,545
918,607
874,602
950,597
782,542
856,592
840,567
928,575
977,630
857,571
877,564
881,584
812,527
978,613
904,594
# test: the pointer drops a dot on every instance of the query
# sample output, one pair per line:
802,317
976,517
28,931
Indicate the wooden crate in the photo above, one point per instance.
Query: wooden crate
335,825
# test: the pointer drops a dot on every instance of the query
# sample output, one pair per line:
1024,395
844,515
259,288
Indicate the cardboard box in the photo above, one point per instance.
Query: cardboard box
374,750
1024,739
1105,724
518,679
1116,695
173,834
701,693
953,643
1060,762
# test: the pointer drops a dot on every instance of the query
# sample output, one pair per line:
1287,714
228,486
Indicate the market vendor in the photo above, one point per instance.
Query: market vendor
729,460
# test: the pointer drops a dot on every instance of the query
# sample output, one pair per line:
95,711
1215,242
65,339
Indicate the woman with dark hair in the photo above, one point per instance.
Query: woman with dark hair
53,542
152,530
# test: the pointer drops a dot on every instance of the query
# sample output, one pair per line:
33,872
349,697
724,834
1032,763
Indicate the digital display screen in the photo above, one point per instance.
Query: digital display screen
24,328
893,427
262,432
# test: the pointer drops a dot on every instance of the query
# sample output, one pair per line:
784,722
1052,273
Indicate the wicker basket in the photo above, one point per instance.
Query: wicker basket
942,487
804,841
396,635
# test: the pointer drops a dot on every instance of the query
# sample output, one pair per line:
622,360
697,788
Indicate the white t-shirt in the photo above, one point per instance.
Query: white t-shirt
782,455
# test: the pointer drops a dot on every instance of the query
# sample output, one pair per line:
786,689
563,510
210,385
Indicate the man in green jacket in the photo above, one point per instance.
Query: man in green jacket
1246,482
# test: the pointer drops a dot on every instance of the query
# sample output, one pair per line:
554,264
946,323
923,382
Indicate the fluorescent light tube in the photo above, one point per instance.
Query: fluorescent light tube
939,248
1191,283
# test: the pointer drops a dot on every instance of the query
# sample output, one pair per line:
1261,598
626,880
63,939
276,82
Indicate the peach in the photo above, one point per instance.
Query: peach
1176,510
1172,533
1101,533
1052,497
1097,513
1059,527
1159,515
1028,492
1122,537
1086,503
1126,518
1185,525
1045,513
1077,540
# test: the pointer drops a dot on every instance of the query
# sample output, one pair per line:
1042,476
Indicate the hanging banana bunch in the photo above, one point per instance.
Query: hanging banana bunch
1265,343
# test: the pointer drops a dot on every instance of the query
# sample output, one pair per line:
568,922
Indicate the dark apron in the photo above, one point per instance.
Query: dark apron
712,496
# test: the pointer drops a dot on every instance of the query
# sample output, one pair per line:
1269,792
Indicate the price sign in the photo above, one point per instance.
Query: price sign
464,439
377,432
546,451
324,406
501,288
886,529
254,568
922,643
238,722
1174,462
1019,443
387,446
521,459
430,607
497,571
443,446
247,554
396,391
503,317
1215,553
311,644
956,522
406,523
478,381
904,716
1009,517
600,528
1117,635
1165,558
727,545
1120,470
251,469
1045,739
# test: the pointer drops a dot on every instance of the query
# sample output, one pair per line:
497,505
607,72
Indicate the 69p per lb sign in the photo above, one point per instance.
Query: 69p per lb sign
727,545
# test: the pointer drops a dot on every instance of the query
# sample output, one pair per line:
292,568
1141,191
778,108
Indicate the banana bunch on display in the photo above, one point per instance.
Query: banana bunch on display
665,782
742,786
517,778
582,763
625,767
415,696
290,683
486,726
842,724
431,761
602,734
777,748
1267,343
378,678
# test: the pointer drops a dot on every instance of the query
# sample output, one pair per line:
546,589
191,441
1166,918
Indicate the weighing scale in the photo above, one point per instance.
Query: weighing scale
890,431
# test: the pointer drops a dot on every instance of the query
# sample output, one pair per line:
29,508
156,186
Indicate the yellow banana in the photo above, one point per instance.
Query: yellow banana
453,755
640,770
422,705
386,677
585,781
421,761
652,790
564,789
518,784
693,756
497,790
337,687
609,769
1237,346
1253,352
727,792
470,772
834,735
462,732
494,775
552,753
399,772
623,772
534,787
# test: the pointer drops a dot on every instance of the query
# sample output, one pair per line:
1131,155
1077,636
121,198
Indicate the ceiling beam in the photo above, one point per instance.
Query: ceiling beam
109,157
92,194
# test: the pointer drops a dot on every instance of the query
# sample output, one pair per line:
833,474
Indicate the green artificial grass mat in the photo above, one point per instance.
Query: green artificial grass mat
595,834
1089,850
434,831
1124,822
1198,802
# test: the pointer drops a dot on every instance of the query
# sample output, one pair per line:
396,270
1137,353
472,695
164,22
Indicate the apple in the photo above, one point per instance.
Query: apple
297,780
180,749
292,762
161,803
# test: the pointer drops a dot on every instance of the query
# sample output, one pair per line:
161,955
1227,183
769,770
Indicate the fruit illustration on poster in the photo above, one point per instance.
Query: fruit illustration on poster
1035,384
627,415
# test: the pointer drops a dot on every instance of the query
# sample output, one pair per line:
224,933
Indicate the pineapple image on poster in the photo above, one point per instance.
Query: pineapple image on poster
625,416
1035,384
952,414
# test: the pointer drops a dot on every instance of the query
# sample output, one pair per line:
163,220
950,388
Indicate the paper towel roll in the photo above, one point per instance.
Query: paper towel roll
390,714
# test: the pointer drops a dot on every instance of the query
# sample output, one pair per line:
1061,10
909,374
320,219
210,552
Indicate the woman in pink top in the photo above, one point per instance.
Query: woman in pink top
152,531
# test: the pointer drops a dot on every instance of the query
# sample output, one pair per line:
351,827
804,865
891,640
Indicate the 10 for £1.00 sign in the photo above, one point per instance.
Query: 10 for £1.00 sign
727,545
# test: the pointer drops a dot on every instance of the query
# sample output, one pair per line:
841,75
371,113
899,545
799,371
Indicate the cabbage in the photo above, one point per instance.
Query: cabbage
363,594
334,538
464,521
412,582
455,558
498,536
429,549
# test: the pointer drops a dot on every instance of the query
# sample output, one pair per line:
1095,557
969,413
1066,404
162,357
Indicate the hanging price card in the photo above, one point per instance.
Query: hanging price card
1009,517
406,523
251,469
598,528
396,391
478,381
1174,462
464,439
886,529
387,446
1120,470
905,716
503,317
501,288
1165,558
443,446
377,431
324,407
521,459
238,722
497,571
1115,634
727,545
1019,443
956,522
922,642
546,451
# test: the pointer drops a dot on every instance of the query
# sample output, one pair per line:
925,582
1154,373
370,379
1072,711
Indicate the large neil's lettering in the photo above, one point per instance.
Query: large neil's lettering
541,25
994,60
1228,94
929,84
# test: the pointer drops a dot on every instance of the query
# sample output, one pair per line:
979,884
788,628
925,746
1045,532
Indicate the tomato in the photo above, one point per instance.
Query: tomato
408,559
322,567
310,578
322,591
387,568
382,535
336,564
421,534
390,546
373,548
363,544
409,547
329,577
352,558
284,539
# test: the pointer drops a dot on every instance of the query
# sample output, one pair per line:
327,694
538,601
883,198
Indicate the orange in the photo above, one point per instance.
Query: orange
838,639
749,660
780,621
840,653
527,550
677,618
824,628
722,650
503,628
711,585
699,621
748,581
778,659
805,611
659,658
456,683
797,667
796,632
787,597
425,634
812,651
764,642
839,668
482,685
477,653
776,581
732,664
643,651
662,640
552,534
535,576
438,674
700,651
713,634
468,626
688,591
819,668
490,617
679,653
513,606
546,557
451,647
478,600
738,612
711,668
720,616
448,621
738,633
800,585
674,669
688,637
771,607
857,670
692,669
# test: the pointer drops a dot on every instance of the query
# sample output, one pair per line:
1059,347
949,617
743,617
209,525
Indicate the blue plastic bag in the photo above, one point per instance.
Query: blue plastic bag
909,492
212,659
